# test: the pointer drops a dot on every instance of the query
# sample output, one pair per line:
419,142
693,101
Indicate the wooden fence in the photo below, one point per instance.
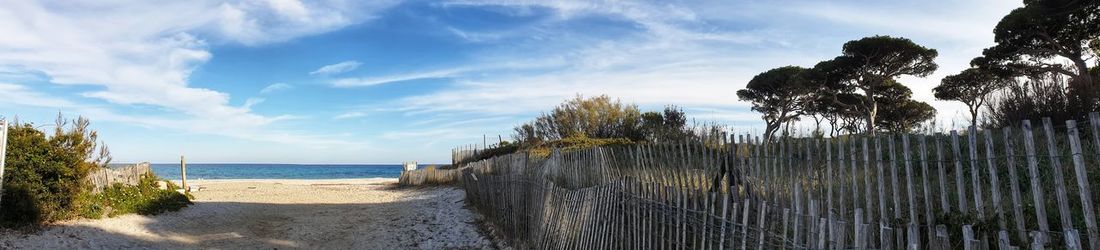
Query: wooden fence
972,189
127,175
464,154
429,176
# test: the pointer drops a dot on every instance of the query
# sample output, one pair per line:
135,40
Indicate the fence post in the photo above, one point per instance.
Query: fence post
944,205
3,153
927,189
994,180
968,237
1059,178
1017,204
183,174
959,184
1033,176
975,181
760,225
1083,185
910,232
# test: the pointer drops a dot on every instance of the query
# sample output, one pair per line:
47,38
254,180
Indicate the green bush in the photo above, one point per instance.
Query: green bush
145,199
44,178
43,175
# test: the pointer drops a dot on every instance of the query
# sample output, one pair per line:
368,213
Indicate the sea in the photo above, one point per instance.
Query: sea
277,171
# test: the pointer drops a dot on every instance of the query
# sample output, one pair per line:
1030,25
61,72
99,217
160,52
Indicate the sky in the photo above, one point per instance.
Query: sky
343,81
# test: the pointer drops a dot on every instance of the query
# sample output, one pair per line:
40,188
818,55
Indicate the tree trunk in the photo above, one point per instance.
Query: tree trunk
974,116
871,117
769,130
1082,85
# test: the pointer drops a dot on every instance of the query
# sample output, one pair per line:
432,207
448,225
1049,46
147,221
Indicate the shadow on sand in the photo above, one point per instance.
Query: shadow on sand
427,218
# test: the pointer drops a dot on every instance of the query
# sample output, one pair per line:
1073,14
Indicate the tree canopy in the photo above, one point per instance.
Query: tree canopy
900,113
780,94
870,65
835,110
972,87
1034,40
667,126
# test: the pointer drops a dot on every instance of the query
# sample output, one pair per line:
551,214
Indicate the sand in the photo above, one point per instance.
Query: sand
234,214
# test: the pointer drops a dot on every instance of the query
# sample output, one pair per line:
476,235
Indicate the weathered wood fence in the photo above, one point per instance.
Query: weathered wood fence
127,175
429,176
464,154
973,189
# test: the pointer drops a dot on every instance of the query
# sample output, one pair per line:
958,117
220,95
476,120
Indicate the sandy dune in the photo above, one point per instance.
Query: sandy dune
233,214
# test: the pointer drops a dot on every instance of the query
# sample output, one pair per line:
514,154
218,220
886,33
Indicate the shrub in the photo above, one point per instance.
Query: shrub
597,117
44,175
145,199
1044,96
44,179
577,143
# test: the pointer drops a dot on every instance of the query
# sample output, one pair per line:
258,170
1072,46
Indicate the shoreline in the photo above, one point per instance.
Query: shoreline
335,181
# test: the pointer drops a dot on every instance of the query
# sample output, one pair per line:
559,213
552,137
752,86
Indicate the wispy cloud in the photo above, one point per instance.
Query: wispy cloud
371,81
509,65
248,103
275,87
349,115
14,94
337,68
18,95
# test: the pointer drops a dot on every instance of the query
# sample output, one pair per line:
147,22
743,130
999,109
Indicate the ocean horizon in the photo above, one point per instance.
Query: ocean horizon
198,171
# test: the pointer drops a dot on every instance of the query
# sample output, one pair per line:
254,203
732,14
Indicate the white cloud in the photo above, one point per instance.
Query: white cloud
248,103
371,81
336,68
513,64
275,87
349,115
18,95
143,52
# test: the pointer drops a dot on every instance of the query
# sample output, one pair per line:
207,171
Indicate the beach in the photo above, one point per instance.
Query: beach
278,214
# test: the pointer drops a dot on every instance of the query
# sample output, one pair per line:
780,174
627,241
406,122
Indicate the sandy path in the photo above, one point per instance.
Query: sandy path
233,214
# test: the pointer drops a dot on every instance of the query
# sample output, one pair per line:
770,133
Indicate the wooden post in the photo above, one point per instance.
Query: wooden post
1013,184
968,237
894,186
183,174
994,180
867,181
909,189
829,209
786,215
860,236
975,181
760,225
879,170
944,205
1036,188
3,153
1083,185
942,240
928,215
722,227
1059,178
959,184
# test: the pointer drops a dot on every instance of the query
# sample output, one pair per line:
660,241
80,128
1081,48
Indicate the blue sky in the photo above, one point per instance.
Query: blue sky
388,81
